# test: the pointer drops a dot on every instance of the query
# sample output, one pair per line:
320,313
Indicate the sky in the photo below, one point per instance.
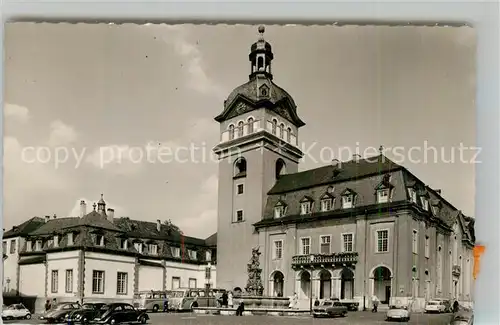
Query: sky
89,99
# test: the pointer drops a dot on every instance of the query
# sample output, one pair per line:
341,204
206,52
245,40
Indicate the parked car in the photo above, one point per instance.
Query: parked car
86,313
350,304
448,306
435,306
400,313
329,308
16,311
58,313
463,317
117,313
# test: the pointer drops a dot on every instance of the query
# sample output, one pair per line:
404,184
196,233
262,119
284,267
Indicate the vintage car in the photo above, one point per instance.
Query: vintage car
86,313
436,306
58,313
462,317
330,308
350,304
117,313
16,311
400,313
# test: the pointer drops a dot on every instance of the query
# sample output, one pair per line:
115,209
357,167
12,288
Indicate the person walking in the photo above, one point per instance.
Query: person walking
375,302
224,300
293,301
230,301
47,305
165,305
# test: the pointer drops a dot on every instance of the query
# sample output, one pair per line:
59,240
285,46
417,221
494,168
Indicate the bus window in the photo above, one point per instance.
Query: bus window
202,294
194,294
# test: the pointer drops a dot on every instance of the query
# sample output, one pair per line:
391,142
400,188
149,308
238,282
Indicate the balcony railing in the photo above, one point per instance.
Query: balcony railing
318,259
456,270
257,126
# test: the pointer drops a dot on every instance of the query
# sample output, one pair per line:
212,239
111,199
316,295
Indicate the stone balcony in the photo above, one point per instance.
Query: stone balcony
456,270
335,259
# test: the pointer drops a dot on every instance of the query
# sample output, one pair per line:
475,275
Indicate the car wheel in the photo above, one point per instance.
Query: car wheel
85,320
112,321
143,320
156,308
344,314
28,316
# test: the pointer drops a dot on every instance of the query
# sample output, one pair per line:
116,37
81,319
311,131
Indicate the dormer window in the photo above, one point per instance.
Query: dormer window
29,246
279,210
176,251
412,193
434,210
425,203
208,256
153,249
326,203
123,243
192,254
231,132
56,241
383,195
99,240
70,238
38,245
138,247
305,206
348,199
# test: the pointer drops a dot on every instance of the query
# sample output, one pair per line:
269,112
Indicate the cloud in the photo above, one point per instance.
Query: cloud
19,113
75,211
118,159
198,79
61,134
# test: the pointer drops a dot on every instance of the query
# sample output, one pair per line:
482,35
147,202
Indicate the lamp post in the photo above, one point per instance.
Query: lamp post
311,257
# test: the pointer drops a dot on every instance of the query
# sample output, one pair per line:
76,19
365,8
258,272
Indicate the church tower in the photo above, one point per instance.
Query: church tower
259,142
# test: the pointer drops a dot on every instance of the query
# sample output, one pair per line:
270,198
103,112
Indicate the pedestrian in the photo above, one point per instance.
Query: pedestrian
230,301
165,305
293,300
54,302
316,302
456,307
375,302
47,305
224,300
241,308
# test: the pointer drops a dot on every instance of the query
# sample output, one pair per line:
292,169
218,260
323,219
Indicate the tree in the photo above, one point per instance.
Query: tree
254,283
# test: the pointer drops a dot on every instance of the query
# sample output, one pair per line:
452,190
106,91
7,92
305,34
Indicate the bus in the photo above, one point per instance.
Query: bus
150,300
185,299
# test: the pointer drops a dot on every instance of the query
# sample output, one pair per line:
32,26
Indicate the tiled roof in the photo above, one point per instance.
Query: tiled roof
25,228
331,174
55,225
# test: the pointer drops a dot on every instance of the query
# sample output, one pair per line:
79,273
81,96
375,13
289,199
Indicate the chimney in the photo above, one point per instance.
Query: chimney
111,215
438,191
356,157
47,218
55,216
158,225
83,208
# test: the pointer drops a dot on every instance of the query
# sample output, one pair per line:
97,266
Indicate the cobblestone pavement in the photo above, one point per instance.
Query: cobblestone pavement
353,318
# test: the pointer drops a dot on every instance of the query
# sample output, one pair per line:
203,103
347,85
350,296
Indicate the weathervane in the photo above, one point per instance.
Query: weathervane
261,29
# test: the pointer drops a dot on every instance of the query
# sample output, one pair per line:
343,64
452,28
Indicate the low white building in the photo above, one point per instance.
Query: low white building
97,257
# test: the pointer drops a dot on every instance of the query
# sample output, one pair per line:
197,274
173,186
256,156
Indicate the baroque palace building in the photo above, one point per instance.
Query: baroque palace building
97,257
347,230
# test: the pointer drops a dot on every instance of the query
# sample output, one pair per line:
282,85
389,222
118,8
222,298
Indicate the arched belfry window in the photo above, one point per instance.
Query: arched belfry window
231,131
240,167
250,125
275,125
240,128
289,134
282,129
260,63
280,168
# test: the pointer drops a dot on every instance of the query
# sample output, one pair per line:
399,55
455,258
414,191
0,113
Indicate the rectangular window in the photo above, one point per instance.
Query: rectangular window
239,215
153,249
99,240
425,204
208,272
413,195
4,247
192,283
239,189
382,241
325,243
98,282
326,205
138,247
38,245
427,246
278,250
70,238
176,282
208,256
383,196
54,283
29,246
192,254
176,251
347,242
414,242
305,208
121,283
69,281
56,241
123,243
347,202
279,212
305,246
13,246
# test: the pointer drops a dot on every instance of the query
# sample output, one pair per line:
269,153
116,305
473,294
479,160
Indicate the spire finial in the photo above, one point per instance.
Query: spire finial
94,205
261,30
102,196
381,149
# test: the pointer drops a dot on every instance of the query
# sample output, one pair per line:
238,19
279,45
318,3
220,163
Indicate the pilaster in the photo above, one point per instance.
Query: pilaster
164,280
136,275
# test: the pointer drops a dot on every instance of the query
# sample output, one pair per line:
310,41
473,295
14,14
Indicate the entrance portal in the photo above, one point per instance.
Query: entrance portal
382,284
305,285
346,284
325,288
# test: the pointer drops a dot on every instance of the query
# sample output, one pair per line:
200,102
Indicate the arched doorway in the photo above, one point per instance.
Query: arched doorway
325,285
382,284
346,284
278,284
305,284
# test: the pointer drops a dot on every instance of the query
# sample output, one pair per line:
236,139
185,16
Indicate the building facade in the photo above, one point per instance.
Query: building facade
348,230
97,257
